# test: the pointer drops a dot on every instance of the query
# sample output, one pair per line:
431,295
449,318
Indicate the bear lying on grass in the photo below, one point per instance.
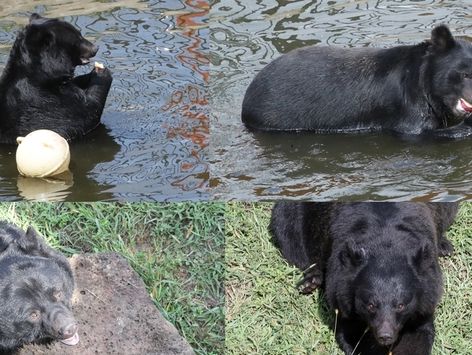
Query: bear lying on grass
36,286
38,89
415,89
377,264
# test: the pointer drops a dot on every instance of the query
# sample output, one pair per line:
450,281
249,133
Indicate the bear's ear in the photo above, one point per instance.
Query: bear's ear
30,242
423,257
38,36
36,19
441,38
352,254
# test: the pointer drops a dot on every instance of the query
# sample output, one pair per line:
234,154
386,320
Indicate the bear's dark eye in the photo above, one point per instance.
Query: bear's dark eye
35,315
466,75
400,307
371,307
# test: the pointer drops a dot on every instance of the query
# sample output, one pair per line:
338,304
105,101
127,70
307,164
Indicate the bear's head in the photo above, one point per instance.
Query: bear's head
54,48
450,73
36,286
389,291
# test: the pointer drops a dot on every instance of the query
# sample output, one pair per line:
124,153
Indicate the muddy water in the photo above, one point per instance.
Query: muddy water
246,35
153,141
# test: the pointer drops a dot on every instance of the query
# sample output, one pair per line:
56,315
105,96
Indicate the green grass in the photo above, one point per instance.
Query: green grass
177,249
266,315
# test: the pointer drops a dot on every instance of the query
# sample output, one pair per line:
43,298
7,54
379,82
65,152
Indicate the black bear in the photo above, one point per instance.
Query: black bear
377,264
38,89
36,285
410,89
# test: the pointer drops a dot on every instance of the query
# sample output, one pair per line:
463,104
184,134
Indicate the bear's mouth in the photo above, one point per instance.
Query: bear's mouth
464,106
73,340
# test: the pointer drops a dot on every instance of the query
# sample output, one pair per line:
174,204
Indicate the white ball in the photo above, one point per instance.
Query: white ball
42,153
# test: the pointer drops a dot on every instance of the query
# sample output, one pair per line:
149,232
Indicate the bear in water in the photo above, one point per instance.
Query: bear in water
410,89
38,89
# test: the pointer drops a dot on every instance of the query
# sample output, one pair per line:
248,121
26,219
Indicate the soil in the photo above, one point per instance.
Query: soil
114,313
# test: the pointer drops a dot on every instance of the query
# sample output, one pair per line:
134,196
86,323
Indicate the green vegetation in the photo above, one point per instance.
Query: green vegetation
177,249
266,315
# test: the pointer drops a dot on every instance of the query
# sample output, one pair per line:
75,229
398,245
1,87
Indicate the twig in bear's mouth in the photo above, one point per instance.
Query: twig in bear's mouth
360,339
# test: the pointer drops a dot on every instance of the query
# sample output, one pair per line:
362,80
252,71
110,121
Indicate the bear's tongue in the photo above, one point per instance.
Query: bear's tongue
73,340
465,105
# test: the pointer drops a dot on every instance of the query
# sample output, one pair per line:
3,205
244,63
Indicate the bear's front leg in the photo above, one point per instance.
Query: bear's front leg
98,87
416,341
96,92
311,280
460,131
83,81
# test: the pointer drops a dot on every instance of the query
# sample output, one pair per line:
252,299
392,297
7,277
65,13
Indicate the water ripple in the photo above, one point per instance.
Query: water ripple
246,36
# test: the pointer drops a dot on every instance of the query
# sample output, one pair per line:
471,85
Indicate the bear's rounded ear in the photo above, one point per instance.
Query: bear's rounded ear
441,38
38,37
36,19
352,254
30,242
423,257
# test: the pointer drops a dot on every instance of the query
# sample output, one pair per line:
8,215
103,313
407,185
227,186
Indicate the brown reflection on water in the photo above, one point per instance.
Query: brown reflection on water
191,103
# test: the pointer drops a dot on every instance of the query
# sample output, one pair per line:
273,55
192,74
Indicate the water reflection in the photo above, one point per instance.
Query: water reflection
246,36
145,150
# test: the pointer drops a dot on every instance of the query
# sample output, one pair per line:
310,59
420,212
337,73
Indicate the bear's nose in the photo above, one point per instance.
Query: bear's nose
68,331
386,338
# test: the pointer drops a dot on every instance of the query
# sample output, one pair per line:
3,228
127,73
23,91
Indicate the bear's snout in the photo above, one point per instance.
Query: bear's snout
61,322
385,334
68,330
87,51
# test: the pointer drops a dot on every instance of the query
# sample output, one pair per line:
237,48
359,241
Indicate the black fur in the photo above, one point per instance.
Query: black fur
377,264
36,285
38,89
406,89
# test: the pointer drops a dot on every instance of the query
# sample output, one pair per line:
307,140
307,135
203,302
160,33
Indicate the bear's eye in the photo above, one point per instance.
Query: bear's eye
466,75
400,307
35,315
371,307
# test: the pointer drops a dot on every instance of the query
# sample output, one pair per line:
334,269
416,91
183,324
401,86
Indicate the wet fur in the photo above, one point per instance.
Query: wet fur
406,89
38,89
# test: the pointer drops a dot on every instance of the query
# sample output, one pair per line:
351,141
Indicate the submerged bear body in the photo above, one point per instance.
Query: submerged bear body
38,89
377,264
406,89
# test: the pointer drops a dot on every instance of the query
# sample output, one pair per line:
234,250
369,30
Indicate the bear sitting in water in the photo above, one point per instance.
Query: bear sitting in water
36,286
415,89
38,89
377,264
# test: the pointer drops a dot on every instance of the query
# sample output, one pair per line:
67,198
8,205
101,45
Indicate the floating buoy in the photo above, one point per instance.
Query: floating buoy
42,153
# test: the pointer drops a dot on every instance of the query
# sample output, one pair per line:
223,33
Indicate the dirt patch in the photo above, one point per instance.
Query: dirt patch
114,313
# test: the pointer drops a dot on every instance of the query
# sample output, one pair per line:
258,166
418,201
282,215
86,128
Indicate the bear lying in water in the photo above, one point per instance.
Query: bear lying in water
377,264
416,89
38,89
36,285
